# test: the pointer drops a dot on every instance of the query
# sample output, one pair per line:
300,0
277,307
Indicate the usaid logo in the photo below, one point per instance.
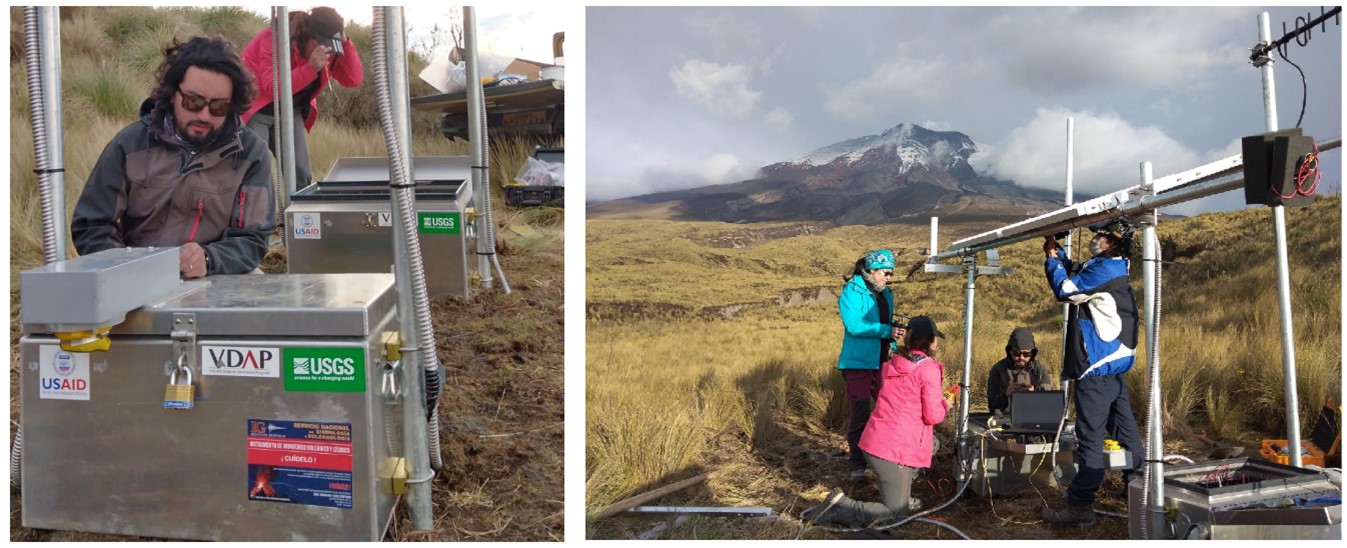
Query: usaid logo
240,361
306,220
64,363
308,226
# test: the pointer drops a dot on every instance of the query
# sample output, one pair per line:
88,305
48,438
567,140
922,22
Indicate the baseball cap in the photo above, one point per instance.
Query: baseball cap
326,26
923,326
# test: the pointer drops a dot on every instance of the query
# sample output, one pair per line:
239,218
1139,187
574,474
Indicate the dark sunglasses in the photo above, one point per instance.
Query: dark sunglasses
1022,353
884,272
192,102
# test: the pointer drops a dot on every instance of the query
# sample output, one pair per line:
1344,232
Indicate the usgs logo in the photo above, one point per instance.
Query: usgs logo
438,222
324,366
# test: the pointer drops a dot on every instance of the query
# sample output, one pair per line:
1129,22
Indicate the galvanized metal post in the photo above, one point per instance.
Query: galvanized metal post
480,186
285,110
1283,270
415,424
1155,443
970,264
1070,198
49,22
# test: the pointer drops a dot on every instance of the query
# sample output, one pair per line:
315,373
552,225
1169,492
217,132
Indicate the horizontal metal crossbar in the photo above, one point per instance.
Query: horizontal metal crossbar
1206,180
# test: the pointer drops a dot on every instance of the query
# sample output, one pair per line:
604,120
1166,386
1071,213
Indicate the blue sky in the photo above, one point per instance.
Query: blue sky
681,97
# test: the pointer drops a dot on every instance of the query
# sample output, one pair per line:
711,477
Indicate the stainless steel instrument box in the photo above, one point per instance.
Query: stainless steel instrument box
1243,498
344,224
288,428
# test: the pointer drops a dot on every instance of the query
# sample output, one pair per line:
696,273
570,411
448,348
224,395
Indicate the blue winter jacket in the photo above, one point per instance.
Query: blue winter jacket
1101,329
865,330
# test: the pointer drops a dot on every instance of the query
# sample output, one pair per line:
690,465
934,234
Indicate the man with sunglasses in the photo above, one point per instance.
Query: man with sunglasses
1019,370
188,174
319,52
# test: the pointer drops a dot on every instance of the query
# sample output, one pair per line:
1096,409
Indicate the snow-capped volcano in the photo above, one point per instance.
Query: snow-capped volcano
913,145
906,172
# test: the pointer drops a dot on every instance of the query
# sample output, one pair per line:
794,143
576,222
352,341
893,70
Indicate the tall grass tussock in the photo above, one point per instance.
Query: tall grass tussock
693,339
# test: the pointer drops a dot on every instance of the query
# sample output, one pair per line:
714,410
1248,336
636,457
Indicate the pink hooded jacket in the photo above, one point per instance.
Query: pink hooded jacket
909,406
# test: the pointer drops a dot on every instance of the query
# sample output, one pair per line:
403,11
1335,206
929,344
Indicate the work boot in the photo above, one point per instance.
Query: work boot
1082,516
821,511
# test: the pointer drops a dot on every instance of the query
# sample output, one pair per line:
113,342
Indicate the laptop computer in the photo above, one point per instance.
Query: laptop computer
1039,411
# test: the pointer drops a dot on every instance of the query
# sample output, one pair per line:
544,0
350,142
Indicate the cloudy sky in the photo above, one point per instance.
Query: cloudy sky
685,97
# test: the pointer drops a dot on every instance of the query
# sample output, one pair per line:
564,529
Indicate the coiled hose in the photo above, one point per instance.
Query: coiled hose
420,300
919,516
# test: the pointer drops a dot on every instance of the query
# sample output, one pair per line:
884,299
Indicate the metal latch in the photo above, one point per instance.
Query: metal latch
184,339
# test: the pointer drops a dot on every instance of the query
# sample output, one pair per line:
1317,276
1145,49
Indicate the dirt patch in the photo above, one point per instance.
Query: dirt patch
501,416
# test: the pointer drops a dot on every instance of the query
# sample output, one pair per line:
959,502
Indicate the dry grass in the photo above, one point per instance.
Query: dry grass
675,387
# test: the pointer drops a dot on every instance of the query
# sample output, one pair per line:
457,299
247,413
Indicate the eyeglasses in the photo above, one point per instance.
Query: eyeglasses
192,102
1022,353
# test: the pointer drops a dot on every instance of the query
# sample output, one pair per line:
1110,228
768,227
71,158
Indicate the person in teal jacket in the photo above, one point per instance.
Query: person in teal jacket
866,307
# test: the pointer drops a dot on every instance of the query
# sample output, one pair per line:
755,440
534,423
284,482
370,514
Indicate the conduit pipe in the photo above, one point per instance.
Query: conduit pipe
481,158
283,111
42,57
1152,493
420,364
965,390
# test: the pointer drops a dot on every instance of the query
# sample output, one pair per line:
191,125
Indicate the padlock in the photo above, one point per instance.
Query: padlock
179,396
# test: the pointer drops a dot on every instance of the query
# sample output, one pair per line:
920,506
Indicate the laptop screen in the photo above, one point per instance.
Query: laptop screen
1040,410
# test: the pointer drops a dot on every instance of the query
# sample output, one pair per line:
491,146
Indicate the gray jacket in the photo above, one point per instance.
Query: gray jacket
149,188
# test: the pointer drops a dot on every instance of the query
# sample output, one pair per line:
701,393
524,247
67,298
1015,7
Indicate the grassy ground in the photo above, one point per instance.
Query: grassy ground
679,383
502,413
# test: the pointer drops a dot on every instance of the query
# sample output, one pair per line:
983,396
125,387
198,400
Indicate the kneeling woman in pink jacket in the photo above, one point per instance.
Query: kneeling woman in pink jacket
898,439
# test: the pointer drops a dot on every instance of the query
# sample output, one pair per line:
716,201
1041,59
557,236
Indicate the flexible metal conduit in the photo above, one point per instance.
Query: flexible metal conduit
278,45
1152,489
413,304
481,156
42,56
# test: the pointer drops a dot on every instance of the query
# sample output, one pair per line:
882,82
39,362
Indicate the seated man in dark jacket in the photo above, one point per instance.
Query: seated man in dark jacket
1018,371
188,174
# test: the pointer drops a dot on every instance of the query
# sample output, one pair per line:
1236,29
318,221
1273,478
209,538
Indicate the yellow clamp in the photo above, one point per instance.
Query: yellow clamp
1111,445
393,475
85,341
392,345
470,213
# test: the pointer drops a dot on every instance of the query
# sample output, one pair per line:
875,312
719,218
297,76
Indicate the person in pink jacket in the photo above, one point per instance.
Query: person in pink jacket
319,51
898,439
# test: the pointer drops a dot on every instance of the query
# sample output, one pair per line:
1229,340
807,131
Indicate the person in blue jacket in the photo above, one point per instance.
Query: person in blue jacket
1101,342
866,307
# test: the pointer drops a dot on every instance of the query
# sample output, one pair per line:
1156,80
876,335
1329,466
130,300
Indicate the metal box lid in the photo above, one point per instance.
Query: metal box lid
273,305
352,191
96,290
424,168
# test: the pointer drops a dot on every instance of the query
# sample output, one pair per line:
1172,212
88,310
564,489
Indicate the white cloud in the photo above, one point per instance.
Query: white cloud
1108,153
721,88
894,83
779,118
713,170
937,126
1080,49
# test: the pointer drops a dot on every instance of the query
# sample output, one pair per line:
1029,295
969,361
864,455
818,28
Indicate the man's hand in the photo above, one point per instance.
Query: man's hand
1016,387
1049,246
318,58
191,260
